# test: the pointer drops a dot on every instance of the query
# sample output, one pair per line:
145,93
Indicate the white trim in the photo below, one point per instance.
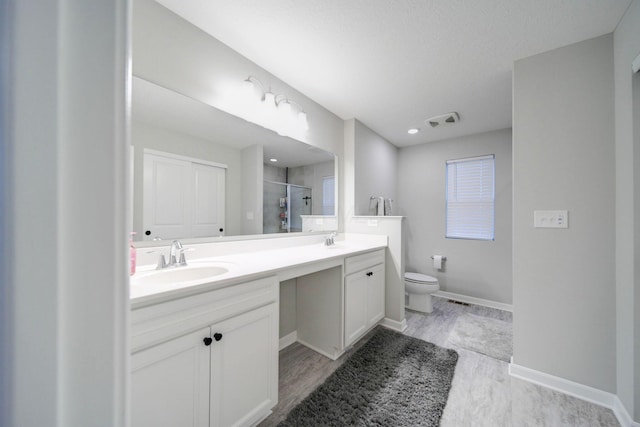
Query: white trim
394,324
474,300
580,391
184,158
471,159
287,340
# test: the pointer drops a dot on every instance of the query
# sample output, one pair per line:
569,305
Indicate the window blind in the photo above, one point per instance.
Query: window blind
471,198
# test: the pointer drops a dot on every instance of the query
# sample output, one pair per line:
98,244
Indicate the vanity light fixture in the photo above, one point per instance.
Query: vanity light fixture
413,131
280,113
250,87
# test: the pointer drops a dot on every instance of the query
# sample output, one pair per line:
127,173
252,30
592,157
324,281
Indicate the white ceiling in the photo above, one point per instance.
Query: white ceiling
394,63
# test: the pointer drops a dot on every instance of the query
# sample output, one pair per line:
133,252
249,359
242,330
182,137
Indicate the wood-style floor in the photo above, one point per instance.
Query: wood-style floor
482,392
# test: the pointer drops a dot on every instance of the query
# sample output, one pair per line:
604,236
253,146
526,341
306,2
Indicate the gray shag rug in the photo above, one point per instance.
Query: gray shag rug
485,335
392,380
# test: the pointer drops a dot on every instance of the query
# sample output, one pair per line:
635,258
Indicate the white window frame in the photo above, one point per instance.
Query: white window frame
470,198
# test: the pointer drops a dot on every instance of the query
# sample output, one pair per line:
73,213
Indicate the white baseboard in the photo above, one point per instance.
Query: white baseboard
581,391
474,300
394,324
287,340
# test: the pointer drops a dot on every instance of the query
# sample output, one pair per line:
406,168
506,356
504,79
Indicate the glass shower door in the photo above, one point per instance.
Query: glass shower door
300,198
274,208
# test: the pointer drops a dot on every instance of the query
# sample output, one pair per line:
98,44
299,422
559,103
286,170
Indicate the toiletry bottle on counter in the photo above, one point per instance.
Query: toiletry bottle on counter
132,256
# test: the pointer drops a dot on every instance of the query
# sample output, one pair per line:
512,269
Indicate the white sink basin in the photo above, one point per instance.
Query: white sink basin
190,273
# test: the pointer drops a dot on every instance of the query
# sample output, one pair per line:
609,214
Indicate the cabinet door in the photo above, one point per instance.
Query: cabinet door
170,383
355,306
375,294
244,367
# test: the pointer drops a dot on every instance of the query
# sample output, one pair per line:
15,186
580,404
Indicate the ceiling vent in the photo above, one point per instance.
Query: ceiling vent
444,119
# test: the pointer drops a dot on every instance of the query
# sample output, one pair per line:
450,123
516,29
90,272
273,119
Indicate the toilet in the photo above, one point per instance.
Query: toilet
419,287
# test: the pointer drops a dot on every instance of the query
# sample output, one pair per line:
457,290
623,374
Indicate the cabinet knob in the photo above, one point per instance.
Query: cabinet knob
217,336
370,273
207,341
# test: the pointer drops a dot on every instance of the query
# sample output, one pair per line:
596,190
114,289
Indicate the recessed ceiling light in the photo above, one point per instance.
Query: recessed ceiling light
413,131
273,160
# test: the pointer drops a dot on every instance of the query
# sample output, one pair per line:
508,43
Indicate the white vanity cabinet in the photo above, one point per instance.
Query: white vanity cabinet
364,294
209,359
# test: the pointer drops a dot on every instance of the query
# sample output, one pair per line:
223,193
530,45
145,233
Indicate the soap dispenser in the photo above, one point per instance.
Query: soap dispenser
132,256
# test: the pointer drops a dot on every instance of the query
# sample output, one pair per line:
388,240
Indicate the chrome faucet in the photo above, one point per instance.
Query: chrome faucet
177,249
330,239
176,257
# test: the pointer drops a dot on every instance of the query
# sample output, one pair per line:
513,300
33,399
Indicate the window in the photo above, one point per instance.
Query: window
328,196
470,198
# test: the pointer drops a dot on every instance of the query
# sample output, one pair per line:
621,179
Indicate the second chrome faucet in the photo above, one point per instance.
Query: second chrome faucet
176,257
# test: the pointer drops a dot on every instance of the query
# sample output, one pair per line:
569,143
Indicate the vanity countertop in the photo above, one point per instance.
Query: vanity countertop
247,266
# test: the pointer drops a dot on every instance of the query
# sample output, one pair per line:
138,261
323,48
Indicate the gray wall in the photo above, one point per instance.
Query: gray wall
563,158
274,173
627,128
480,269
147,136
375,168
311,176
288,314
252,192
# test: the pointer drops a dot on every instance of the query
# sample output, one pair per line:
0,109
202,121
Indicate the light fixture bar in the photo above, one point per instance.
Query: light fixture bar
279,110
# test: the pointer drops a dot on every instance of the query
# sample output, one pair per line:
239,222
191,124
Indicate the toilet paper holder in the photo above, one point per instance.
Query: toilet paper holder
444,258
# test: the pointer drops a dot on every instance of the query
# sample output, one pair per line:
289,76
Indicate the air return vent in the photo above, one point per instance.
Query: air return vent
444,119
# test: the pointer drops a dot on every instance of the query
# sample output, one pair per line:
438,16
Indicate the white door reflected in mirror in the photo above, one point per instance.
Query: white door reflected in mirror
182,197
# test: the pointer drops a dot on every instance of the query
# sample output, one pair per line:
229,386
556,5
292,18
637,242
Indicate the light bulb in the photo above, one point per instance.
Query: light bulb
302,121
269,109
269,100
284,108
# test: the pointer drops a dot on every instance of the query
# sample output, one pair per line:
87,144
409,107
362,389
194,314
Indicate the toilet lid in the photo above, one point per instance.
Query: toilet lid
419,278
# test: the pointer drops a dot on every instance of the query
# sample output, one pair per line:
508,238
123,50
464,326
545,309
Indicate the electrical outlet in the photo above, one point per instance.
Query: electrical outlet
551,219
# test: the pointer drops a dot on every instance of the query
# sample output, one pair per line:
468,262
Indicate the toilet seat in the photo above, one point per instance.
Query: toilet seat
420,278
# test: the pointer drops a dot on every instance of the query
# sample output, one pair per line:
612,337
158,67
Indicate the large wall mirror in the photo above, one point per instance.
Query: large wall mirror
201,172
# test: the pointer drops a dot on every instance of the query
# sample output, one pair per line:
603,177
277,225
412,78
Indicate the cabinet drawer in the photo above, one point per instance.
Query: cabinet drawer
157,323
360,262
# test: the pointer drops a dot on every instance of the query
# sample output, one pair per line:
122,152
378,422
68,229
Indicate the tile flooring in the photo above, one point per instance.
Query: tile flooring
482,392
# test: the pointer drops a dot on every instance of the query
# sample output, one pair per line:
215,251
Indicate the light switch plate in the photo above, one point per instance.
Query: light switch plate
372,222
551,219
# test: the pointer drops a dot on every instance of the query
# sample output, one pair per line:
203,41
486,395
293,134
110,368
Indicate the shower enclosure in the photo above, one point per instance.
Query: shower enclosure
282,206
